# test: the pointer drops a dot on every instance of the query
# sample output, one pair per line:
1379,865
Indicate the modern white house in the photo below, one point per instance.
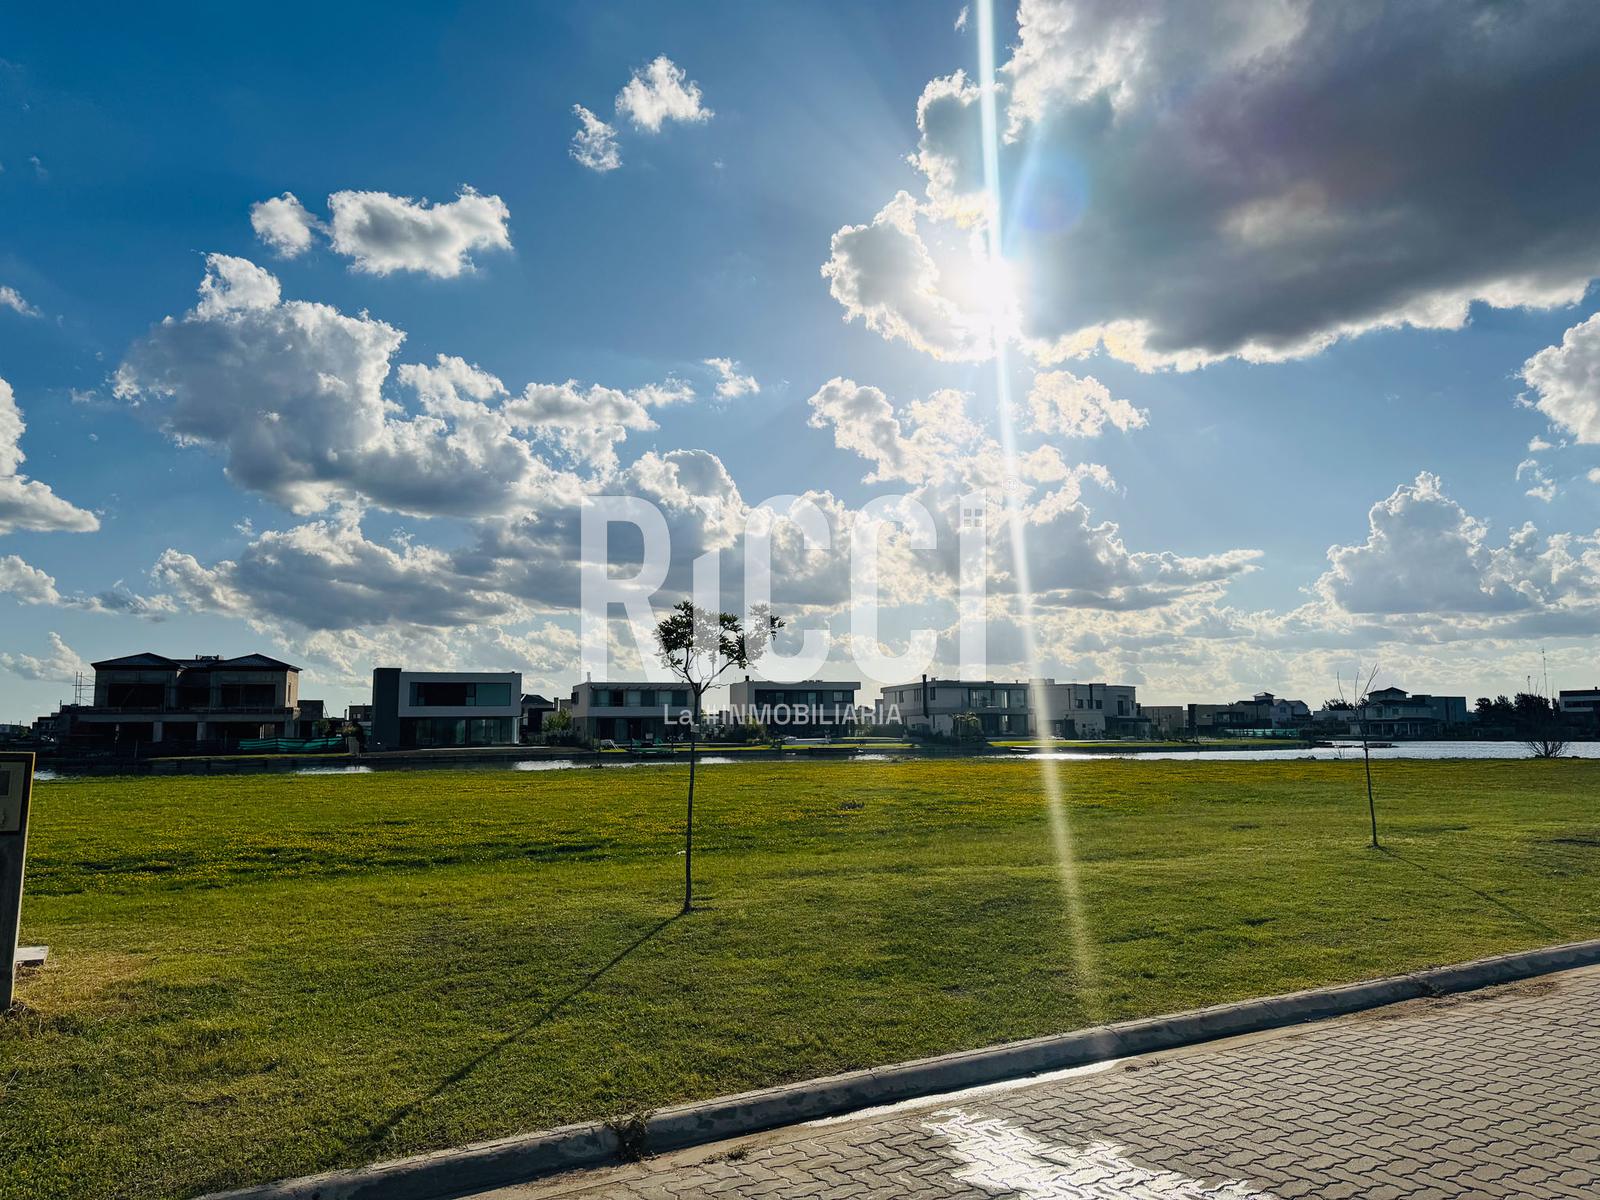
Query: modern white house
1016,708
631,712
1091,710
1002,708
418,710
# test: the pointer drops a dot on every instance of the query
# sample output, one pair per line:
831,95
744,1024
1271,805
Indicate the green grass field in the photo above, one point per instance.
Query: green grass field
262,976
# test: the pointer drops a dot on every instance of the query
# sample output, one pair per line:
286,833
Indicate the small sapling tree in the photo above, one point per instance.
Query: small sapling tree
698,646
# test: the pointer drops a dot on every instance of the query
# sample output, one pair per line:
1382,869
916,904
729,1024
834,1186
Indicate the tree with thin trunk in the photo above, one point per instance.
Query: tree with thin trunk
1358,703
698,646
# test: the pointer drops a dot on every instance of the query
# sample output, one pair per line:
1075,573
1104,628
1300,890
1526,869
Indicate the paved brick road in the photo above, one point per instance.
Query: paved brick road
1493,1094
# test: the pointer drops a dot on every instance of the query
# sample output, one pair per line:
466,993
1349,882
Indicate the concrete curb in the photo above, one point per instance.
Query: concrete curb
524,1157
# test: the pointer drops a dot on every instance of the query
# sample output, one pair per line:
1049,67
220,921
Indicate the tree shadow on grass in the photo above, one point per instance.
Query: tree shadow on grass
379,1134
1525,918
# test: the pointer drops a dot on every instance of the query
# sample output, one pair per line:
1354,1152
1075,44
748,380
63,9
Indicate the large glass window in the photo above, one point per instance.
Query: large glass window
455,693
136,695
425,732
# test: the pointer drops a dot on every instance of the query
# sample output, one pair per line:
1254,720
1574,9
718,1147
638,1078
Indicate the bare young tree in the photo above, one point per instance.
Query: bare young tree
1544,736
1358,703
698,646
1547,745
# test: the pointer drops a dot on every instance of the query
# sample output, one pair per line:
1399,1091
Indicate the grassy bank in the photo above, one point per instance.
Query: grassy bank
264,975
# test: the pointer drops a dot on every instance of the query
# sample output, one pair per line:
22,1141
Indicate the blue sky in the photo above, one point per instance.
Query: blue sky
134,145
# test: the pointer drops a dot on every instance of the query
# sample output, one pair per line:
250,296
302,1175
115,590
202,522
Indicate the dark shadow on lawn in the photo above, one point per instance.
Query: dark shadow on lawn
1467,887
379,1134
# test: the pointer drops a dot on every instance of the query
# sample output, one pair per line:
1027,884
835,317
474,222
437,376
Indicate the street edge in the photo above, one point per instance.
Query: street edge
525,1157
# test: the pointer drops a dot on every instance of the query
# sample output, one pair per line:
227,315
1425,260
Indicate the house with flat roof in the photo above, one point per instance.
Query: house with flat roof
1016,708
631,712
1581,706
420,710
814,708
1091,710
1003,709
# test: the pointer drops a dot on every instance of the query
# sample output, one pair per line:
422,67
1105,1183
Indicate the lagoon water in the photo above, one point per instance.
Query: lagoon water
1345,751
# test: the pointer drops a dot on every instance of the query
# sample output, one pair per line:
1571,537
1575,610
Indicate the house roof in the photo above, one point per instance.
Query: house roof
534,700
143,659
248,662
150,661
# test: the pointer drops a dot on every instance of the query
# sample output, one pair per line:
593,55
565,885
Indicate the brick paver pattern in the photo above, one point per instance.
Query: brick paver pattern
1493,1094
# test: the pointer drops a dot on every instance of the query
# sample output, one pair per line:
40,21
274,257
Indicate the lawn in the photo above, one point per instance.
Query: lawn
260,976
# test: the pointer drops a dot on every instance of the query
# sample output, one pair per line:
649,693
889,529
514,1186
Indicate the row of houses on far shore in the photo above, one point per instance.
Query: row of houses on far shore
147,701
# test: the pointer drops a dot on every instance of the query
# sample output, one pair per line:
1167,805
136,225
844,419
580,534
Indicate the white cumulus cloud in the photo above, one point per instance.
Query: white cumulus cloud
659,93
731,383
307,406
12,299
26,582
1566,381
1424,553
383,233
284,224
1063,403
885,274
26,503
595,143
59,664
1180,180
